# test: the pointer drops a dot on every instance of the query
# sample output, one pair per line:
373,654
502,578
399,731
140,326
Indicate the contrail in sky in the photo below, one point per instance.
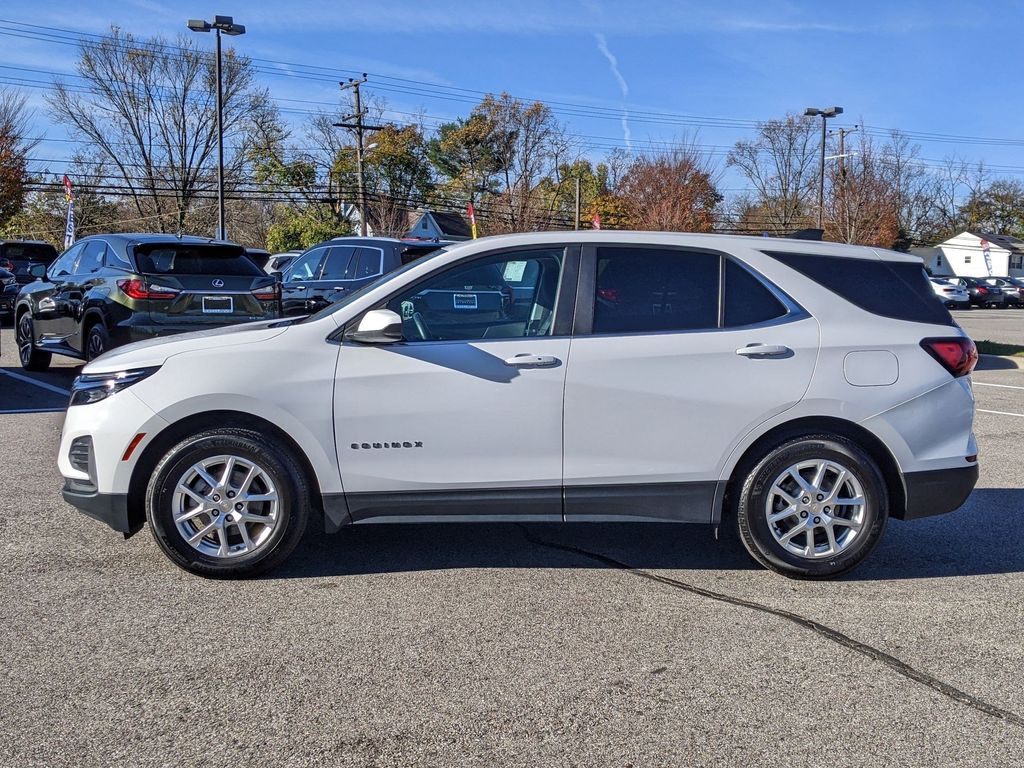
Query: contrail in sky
613,63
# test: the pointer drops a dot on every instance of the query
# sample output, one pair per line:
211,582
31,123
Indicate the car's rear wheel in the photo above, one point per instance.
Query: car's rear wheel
227,503
31,358
813,507
96,342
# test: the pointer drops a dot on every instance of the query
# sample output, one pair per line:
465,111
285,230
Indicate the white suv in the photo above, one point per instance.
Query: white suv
786,387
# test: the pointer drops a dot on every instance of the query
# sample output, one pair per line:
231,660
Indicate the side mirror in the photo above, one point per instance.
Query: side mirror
37,271
378,326
276,274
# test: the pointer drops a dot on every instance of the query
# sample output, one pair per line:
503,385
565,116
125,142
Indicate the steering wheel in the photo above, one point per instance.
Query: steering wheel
421,327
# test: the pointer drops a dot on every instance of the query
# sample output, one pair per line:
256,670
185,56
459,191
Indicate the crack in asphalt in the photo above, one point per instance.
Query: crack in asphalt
895,664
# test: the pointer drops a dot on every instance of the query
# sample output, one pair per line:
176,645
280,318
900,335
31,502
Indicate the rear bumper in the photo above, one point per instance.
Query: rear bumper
937,491
136,330
109,508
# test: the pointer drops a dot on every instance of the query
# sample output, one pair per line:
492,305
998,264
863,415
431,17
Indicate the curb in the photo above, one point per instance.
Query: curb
999,363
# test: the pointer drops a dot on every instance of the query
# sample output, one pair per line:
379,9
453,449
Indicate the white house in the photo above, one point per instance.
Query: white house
975,254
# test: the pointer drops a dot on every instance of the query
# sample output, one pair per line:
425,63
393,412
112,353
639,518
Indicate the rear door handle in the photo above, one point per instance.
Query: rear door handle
532,361
764,350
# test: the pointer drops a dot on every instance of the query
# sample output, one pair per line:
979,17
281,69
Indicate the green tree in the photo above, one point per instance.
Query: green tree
997,208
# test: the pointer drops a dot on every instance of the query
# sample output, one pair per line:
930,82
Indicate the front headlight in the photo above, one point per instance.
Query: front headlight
93,387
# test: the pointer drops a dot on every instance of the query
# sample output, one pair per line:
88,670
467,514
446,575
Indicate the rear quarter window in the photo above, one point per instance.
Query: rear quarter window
187,259
895,289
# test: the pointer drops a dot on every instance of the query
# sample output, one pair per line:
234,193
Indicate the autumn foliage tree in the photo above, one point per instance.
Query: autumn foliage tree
15,146
673,191
862,204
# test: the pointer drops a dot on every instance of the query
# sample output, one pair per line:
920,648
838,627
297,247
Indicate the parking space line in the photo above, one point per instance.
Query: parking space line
40,384
1001,386
1000,413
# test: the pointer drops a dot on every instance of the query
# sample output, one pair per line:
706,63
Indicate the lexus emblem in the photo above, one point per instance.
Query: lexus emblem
218,283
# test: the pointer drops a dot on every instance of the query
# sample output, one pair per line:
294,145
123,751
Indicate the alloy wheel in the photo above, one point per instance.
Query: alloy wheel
816,509
226,506
24,339
96,346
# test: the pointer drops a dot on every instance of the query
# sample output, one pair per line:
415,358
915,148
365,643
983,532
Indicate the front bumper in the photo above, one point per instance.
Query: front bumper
109,508
936,491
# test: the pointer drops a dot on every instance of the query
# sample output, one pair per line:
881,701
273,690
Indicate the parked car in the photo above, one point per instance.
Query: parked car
982,294
8,293
107,290
771,385
953,295
327,272
259,257
279,262
18,256
1012,288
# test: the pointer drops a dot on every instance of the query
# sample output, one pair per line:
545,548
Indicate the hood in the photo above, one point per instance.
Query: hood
143,354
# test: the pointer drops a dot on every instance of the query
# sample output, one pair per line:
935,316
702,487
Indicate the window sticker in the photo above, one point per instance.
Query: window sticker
464,301
514,271
408,309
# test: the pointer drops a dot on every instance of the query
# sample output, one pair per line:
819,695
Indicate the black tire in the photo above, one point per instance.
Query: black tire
288,478
756,482
31,358
97,341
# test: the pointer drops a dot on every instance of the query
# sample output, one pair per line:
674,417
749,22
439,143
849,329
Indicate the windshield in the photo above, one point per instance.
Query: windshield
330,309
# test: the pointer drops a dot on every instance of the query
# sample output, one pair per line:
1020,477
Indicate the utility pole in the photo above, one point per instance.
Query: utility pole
359,128
843,133
576,221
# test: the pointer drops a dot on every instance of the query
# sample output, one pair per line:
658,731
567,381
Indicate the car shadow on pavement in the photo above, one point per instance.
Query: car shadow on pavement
983,537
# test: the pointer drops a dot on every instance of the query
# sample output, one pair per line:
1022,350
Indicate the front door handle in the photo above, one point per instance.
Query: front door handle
764,350
532,361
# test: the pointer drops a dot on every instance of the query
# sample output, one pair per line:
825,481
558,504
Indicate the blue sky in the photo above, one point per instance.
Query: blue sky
940,67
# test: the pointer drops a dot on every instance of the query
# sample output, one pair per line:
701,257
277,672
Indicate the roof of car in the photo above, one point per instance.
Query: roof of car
407,241
156,237
696,240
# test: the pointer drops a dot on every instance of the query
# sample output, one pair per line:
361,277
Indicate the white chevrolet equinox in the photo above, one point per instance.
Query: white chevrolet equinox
786,387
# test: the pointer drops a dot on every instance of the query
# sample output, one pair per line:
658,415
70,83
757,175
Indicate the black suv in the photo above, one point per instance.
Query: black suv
18,256
327,272
108,290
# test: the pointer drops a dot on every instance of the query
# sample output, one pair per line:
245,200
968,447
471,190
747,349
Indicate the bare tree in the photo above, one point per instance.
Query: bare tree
531,146
780,164
148,107
861,205
16,144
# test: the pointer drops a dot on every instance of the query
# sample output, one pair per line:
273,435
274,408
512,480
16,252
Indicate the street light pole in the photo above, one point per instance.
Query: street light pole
221,234
227,25
825,115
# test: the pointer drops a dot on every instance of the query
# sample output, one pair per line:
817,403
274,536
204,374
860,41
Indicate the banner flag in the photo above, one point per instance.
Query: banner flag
69,227
472,219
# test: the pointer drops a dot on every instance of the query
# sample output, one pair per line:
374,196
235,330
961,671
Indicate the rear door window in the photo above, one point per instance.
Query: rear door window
194,259
367,262
748,301
655,289
337,263
91,260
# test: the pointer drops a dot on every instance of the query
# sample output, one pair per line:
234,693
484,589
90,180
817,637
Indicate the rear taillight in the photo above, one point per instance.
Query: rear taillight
267,292
139,289
958,355
982,290
8,265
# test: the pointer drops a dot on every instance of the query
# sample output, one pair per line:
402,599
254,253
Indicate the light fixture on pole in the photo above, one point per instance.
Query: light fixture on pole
227,25
825,115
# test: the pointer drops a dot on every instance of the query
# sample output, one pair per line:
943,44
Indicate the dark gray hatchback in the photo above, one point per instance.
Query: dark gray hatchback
108,290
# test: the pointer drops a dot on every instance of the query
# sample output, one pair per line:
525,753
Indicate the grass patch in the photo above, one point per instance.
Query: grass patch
997,348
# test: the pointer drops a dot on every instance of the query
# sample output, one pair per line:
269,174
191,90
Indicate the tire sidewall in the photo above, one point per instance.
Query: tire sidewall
754,526
292,503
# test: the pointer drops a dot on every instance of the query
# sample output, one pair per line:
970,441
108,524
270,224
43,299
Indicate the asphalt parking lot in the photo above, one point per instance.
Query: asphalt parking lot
1003,325
513,644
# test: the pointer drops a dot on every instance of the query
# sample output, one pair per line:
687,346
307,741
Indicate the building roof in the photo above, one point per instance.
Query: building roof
450,223
1008,242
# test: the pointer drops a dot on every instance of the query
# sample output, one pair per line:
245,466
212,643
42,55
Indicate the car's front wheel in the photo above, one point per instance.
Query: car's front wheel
814,507
31,358
227,503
